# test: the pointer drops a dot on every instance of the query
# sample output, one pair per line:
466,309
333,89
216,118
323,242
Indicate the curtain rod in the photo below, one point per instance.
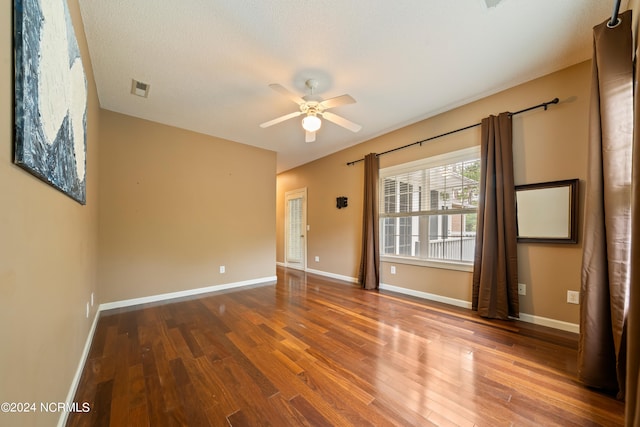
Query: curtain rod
614,21
543,105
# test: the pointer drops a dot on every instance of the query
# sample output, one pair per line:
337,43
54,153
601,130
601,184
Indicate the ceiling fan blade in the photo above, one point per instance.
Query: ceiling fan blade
341,121
280,119
286,92
310,137
337,101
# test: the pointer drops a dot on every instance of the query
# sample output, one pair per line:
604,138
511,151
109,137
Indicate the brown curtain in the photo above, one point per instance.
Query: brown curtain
633,319
605,259
369,276
495,267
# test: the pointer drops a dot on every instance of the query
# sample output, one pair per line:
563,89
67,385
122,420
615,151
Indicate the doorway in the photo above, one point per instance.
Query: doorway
295,229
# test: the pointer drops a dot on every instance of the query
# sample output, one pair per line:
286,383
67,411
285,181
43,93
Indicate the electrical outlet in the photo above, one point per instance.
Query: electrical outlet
573,297
522,289
317,259
393,269
222,269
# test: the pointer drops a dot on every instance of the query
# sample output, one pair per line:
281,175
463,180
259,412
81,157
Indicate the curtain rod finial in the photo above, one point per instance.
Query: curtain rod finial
553,101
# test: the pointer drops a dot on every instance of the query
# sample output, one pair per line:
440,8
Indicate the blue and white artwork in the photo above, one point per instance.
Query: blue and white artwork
50,96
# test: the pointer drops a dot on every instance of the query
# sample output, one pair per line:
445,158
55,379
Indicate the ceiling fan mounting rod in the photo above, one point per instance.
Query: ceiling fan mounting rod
312,84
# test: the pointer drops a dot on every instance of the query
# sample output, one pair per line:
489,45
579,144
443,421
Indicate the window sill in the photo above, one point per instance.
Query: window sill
447,265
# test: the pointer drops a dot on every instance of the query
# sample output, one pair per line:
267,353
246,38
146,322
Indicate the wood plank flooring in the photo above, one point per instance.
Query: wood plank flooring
312,351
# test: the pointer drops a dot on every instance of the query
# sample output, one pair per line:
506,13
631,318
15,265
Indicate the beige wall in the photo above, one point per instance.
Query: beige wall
547,146
48,261
176,205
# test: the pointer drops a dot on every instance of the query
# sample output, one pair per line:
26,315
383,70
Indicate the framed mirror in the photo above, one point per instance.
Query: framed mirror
547,212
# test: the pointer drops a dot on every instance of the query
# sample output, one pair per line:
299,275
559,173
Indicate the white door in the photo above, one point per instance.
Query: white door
295,231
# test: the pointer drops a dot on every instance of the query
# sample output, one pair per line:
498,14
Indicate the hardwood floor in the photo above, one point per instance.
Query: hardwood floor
319,352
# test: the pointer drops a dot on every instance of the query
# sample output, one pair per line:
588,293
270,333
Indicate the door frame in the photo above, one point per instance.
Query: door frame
294,194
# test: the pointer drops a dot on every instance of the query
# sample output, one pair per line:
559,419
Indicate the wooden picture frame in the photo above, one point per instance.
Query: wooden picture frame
547,212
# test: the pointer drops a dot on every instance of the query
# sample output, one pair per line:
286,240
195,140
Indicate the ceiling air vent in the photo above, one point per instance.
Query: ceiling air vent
490,3
139,88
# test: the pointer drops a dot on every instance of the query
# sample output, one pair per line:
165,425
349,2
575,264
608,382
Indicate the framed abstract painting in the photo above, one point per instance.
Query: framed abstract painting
50,96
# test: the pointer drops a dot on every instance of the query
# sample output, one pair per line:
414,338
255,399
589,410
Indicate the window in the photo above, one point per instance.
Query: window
428,208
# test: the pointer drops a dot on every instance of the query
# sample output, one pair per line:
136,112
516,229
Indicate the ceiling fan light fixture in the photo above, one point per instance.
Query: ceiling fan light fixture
311,123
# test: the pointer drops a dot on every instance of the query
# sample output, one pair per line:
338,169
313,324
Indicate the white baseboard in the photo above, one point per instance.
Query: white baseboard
186,293
333,275
551,323
292,266
426,295
62,421
524,317
322,273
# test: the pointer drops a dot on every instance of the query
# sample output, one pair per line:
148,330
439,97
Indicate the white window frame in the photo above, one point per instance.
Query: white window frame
429,162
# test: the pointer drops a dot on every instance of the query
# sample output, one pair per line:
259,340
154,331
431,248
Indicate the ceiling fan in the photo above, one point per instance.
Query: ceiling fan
313,107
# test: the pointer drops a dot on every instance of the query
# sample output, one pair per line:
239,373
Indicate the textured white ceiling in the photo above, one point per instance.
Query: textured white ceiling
209,62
